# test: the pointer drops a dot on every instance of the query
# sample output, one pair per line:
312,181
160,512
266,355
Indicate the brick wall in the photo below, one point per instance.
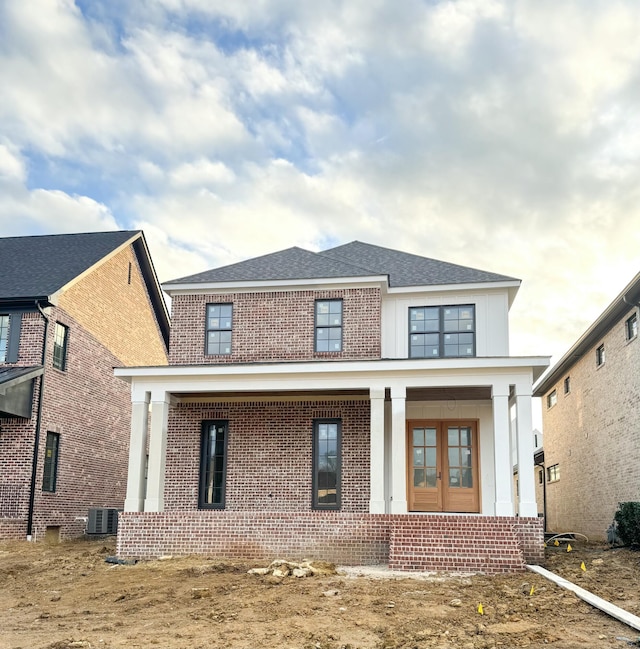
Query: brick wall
113,304
593,434
110,323
407,542
275,326
269,454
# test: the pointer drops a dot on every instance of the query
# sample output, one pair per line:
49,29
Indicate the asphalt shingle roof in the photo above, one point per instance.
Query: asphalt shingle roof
38,266
355,259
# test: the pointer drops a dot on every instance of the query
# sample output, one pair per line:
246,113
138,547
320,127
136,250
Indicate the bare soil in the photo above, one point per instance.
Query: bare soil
67,597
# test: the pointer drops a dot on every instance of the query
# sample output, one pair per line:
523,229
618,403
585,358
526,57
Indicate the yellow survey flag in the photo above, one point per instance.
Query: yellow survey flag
556,543
531,591
583,567
569,548
480,609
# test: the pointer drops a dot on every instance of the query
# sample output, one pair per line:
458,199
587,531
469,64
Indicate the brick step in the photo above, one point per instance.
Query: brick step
455,544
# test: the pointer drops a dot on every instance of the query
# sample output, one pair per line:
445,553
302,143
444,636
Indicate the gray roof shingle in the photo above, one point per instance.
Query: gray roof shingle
355,259
38,266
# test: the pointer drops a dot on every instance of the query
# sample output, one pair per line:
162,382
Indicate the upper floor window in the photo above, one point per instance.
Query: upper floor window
553,473
219,328
4,337
567,385
631,326
442,331
552,399
328,337
60,347
600,355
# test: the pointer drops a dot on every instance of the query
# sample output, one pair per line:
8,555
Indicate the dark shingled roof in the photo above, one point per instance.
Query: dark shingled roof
292,263
38,266
355,259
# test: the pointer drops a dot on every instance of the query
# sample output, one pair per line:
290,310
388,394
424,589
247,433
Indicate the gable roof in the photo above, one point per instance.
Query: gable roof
35,268
39,266
355,259
628,299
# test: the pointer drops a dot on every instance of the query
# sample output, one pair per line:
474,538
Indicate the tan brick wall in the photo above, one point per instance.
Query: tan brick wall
593,434
118,313
275,326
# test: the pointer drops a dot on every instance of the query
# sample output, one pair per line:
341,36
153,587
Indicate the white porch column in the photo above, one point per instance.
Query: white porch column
376,452
154,502
134,502
503,469
398,450
526,475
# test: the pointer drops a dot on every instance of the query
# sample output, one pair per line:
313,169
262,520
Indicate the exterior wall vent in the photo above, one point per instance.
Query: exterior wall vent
102,521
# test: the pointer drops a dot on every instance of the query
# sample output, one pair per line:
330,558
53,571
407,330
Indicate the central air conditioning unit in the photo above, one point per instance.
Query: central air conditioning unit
102,520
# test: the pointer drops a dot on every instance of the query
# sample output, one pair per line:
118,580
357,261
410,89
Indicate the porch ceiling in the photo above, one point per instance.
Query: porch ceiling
413,394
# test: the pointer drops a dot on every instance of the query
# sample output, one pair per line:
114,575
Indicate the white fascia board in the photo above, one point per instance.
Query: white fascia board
336,374
279,285
437,288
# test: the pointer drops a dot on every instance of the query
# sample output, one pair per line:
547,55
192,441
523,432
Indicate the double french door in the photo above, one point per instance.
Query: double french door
442,463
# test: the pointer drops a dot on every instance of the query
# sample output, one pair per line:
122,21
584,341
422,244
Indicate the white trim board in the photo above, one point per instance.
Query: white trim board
607,607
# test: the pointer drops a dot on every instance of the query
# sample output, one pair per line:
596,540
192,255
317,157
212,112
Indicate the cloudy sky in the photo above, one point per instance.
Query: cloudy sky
494,134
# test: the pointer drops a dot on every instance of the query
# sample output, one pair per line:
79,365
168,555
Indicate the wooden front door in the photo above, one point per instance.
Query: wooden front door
442,463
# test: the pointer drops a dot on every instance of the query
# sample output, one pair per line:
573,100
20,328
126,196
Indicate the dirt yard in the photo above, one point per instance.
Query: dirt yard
67,597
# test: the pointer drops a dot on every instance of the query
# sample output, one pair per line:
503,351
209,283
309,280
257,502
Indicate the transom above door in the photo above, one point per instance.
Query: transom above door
442,463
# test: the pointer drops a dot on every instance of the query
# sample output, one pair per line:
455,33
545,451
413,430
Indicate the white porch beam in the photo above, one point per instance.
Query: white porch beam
501,448
154,502
524,434
134,501
376,460
398,450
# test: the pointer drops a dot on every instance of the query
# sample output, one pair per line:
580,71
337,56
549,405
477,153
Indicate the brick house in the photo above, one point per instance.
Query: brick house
72,307
352,404
591,420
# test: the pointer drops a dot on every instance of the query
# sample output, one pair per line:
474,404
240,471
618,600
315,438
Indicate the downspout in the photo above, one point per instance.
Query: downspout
36,441
544,496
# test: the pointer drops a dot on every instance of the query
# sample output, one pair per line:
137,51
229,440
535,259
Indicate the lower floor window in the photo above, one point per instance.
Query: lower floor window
326,463
213,464
50,473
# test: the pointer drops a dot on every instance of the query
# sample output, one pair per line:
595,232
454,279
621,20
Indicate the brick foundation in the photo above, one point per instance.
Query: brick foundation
485,544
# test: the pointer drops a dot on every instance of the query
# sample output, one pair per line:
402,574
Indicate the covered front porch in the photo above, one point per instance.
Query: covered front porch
414,436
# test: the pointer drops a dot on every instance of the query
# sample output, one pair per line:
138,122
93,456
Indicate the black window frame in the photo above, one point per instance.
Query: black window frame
553,473
631,326
209,329
441,332
5,329
204,461
50,464
552,398
315,503
59,358
318,327
567,384
600,355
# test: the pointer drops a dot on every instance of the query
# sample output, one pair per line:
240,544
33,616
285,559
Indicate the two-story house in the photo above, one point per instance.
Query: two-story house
72,307
352,404
591,418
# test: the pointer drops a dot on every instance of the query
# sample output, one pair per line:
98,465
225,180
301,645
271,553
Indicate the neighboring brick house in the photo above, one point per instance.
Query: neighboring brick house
591,420
352,404
72,307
